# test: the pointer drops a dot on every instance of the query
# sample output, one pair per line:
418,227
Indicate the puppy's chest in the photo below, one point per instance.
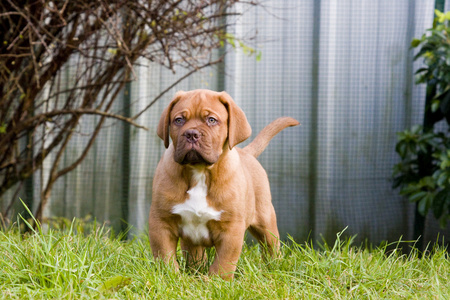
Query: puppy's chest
195,212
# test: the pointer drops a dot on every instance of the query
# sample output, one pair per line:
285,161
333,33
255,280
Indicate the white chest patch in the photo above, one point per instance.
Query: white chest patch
195,212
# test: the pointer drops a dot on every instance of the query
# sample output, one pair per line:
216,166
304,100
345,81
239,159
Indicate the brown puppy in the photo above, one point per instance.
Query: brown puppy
205,190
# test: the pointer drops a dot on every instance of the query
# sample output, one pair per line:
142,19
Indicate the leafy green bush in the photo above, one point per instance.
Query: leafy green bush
424,170
432,191
435,50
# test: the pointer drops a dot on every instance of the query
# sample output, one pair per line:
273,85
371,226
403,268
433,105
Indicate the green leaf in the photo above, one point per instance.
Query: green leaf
415,43
112,51
435,105
3,128
423,147
439,33
401,149
259,56
418,196
439,16
409,189
438,13
443,222
421,70
416,129
442,179
230,39
114,283
422,207
425,204
438,203
445,163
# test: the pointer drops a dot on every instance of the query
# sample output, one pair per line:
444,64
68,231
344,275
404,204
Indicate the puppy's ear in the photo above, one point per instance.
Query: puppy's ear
238,127
164,121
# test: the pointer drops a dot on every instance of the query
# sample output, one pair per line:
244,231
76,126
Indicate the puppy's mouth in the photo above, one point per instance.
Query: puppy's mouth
193,157
193,154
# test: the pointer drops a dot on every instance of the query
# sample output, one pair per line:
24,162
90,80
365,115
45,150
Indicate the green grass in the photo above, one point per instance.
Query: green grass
69,265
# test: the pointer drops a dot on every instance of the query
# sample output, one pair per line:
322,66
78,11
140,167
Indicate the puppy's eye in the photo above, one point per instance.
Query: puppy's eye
178,121
212,121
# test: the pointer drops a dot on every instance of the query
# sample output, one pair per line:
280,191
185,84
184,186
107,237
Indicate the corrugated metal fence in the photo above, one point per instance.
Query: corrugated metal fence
342,68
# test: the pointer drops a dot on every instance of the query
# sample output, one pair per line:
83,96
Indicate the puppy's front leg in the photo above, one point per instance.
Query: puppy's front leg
195,255
163,242
228,249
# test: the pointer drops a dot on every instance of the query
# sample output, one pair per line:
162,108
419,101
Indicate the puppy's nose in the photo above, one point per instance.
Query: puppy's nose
192,135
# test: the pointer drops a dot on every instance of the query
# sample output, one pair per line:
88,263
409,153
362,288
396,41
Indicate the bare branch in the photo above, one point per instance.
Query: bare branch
173,85
61,60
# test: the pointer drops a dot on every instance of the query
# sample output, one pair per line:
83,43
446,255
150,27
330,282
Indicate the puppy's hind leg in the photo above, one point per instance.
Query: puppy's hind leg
265,230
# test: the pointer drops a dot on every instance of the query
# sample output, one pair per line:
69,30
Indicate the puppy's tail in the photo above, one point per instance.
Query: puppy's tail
257,146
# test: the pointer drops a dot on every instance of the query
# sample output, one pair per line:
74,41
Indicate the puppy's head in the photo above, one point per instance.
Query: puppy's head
201,124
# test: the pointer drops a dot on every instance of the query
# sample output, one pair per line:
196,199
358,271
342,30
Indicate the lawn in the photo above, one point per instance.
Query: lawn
74,264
